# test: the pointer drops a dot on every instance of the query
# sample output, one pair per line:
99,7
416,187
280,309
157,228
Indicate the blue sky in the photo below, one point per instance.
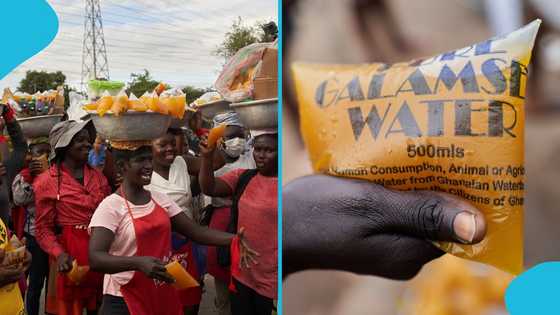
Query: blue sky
174,39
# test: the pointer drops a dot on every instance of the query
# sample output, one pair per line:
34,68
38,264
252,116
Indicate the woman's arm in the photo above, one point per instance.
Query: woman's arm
182,224
14,163
195,163
45,223
100,260
211,186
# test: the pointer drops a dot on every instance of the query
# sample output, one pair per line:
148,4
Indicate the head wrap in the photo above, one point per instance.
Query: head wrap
228,119
262,132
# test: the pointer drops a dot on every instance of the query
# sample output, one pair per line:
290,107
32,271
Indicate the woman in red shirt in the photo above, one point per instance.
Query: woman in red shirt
66,196
257,212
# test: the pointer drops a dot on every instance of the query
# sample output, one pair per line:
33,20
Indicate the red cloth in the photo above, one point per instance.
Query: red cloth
75,206
143,295
201,132
18,220
9,113
235,257
76,242
258,214
219,221
26,174
184,255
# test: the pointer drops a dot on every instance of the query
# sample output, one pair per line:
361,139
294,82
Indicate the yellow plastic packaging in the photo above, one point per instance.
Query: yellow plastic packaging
77,273
120,104
135,104
215,134
90,106
153,102
452,122
452,286
104,104
183,279
180,102
11,301
168,103
160,88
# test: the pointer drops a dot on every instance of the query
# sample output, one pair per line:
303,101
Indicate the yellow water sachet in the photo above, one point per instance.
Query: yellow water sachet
452,122
11,301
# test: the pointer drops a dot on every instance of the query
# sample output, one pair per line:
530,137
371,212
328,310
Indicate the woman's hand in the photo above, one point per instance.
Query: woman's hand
64,262
27,260
205,151
35,167
8,113
247,255
10,274
153,268
361,227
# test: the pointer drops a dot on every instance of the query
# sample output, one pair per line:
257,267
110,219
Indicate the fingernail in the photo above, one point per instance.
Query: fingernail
464,226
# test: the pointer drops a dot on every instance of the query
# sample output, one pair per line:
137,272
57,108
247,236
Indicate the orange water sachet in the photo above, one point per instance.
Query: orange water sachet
104,103
183,279
180,105
152,101
135,104
160,88
215,134
453,122
90,106
120,105
77,273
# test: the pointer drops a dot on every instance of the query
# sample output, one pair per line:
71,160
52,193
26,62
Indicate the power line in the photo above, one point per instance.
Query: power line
172,60
128,66
132,19
144,33
151,18
71,42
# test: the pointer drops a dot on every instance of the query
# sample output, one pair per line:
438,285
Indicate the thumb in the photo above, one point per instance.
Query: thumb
377,210
435,216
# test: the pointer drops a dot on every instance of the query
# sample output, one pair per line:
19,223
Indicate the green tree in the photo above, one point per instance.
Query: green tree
141,83
192,93
39,81
242,35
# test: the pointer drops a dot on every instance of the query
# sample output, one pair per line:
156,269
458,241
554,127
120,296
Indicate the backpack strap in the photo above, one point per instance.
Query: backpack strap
242,183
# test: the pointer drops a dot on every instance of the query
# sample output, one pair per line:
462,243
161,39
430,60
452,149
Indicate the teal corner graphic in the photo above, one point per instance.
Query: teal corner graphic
28,26
535,291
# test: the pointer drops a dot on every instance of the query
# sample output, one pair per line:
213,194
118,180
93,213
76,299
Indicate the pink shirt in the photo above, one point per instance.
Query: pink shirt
258,214
112,214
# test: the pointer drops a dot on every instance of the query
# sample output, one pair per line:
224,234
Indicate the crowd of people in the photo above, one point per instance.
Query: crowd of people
80,200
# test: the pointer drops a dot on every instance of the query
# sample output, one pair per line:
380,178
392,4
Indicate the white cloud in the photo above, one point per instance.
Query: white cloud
174,39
